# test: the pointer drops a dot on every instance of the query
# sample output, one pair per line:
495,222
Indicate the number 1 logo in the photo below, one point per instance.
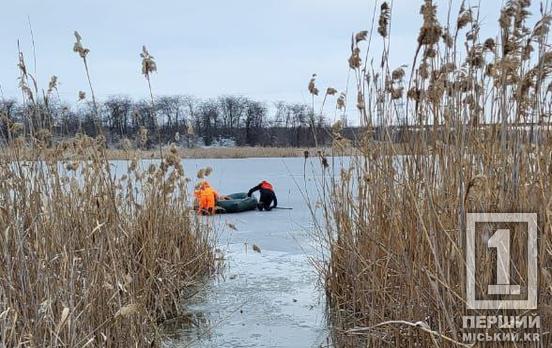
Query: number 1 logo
500,240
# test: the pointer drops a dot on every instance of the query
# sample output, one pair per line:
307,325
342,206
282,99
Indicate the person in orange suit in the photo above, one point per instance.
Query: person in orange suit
206,197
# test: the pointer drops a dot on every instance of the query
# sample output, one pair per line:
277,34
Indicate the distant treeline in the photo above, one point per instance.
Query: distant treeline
227,120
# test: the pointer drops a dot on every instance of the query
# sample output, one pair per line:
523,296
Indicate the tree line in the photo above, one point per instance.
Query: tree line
226,120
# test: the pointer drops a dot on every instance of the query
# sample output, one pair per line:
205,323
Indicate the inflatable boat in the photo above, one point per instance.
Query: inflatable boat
237,203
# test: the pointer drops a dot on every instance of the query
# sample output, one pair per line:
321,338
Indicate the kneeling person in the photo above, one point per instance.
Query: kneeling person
267,196
206,198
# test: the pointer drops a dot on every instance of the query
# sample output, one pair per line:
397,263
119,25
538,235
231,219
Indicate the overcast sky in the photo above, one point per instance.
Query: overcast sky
264,49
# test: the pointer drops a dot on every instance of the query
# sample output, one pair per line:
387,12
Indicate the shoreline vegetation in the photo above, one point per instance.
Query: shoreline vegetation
389,141
28,153
395,227
87,260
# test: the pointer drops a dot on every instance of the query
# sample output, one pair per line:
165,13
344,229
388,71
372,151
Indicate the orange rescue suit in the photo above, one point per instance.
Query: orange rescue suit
206,198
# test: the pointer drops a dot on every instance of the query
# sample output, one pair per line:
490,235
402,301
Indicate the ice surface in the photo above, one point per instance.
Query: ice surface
267,299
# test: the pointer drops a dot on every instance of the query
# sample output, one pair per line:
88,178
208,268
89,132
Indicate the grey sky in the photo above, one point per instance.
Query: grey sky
265,49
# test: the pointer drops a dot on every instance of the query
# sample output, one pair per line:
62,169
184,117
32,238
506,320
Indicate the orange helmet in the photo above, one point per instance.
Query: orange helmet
266,185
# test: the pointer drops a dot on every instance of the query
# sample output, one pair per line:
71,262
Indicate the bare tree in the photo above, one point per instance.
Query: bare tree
255,116
232,110
169,109
8,111
117,113
208,120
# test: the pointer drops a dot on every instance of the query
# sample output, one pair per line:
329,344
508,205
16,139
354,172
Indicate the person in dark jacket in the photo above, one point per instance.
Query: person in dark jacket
267,198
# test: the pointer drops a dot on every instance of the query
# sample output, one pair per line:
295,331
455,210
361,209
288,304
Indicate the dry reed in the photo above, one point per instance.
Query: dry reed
90,258
395,224
128,152
91,261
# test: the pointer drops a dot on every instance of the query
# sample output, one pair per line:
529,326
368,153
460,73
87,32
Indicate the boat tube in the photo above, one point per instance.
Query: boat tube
237,203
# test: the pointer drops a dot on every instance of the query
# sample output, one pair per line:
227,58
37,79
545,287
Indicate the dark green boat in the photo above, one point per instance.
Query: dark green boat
237,203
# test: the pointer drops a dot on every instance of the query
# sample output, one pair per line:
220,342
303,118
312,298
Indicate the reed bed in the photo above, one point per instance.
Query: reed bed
395,224
89,259
195,153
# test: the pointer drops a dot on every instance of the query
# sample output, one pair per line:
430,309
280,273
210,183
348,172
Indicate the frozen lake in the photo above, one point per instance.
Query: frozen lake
267,299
